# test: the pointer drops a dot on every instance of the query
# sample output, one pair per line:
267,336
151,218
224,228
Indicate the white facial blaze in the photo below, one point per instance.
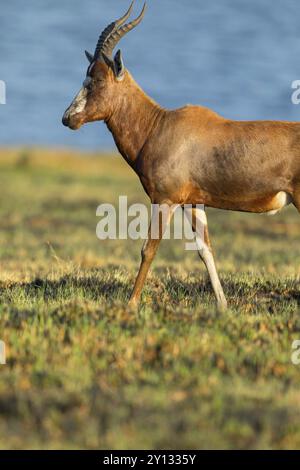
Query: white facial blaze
79,103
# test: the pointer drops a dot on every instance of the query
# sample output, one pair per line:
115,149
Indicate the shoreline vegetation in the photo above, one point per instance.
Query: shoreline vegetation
83,372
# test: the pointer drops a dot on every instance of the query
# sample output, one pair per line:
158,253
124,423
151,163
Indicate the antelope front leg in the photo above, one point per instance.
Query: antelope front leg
198,219
158,225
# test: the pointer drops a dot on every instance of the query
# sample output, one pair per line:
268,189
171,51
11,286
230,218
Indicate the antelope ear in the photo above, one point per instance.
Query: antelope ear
89,57
119,67
107,60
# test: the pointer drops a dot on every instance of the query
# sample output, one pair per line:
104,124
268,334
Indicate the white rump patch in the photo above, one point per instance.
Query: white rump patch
281,200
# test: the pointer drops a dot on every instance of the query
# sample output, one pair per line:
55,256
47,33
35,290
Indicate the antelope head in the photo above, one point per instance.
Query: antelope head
104,79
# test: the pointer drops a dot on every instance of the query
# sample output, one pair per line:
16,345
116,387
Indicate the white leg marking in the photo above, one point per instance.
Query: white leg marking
207,256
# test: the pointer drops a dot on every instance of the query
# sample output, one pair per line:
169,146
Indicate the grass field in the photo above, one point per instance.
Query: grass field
83,372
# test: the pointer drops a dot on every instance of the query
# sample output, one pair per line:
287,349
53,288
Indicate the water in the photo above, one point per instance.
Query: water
237,57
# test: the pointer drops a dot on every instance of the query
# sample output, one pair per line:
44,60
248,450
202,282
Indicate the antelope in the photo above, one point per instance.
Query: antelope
189,155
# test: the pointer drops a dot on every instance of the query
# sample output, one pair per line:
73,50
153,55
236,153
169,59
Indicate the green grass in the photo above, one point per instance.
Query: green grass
83,372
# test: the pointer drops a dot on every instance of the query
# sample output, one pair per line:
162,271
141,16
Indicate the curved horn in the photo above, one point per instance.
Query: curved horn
110,29
116,35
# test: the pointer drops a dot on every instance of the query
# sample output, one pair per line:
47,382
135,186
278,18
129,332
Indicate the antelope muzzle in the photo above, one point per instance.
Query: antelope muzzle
72,121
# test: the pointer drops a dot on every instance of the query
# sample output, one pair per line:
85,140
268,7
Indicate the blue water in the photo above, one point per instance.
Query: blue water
238,57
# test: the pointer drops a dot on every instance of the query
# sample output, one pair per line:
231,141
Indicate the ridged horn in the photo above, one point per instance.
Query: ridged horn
109,30
116,35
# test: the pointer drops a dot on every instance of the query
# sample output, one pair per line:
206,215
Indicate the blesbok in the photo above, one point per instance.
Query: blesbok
187,156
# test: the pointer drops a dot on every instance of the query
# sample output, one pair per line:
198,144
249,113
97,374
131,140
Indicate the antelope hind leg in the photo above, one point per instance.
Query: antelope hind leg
198,219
